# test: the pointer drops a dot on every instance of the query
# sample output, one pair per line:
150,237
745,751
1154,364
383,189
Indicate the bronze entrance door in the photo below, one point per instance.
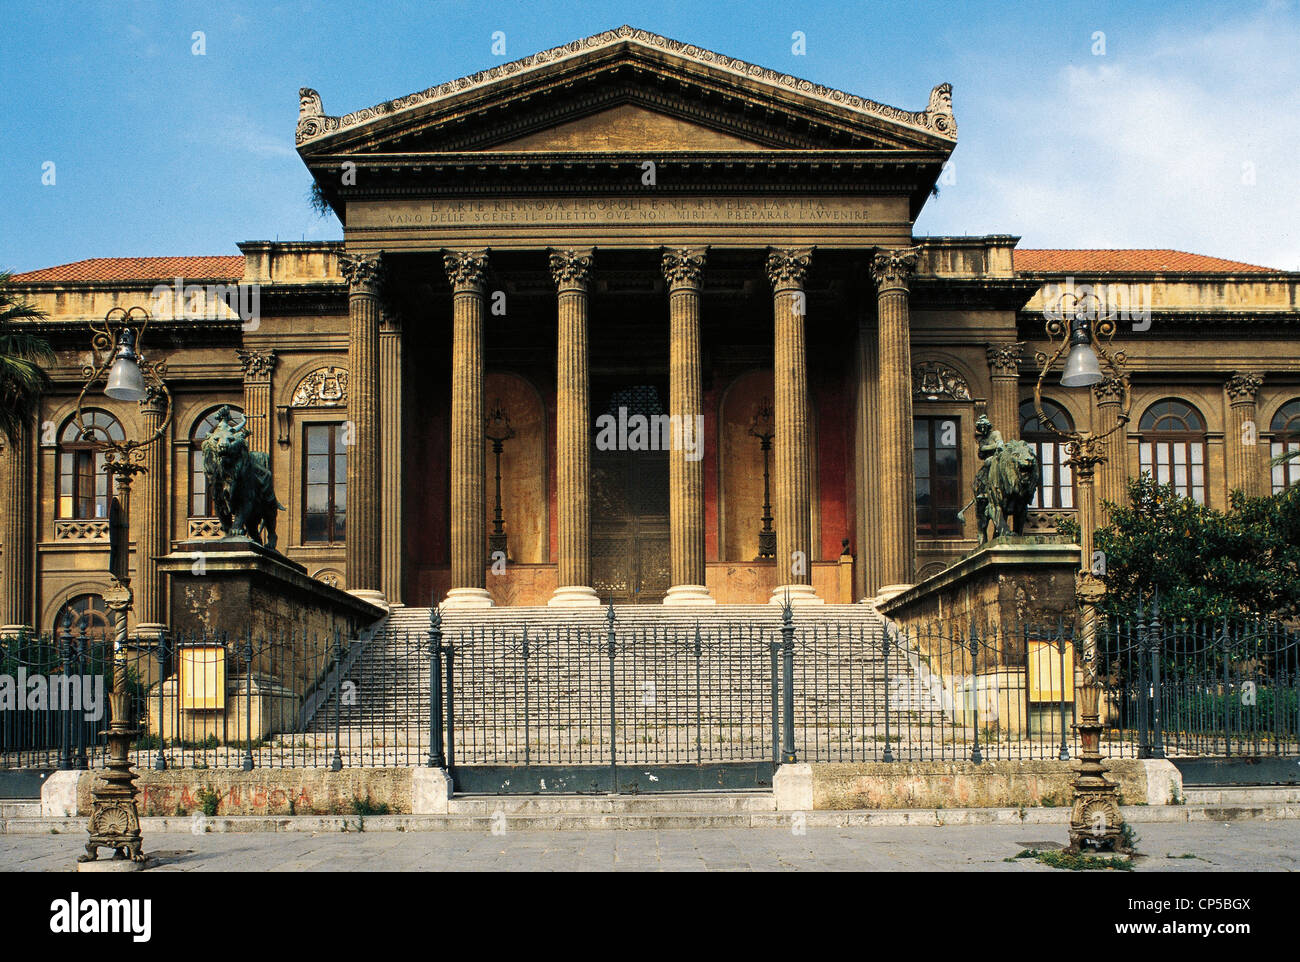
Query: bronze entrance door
629,526
629,510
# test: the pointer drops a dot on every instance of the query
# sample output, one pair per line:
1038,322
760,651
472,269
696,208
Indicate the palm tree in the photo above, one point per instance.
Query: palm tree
23,379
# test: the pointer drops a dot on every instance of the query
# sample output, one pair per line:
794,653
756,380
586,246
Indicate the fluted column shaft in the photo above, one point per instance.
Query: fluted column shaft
390,456
150,510
683,269
467,271
258,368
787,270
16,530
1245,451
1112,474
892,271
363,273
1004,397
572,272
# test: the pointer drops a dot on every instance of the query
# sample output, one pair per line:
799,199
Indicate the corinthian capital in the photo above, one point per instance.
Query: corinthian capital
572,269
1109,390
467,270
788,267
1243,386
684,266
256,365
1004,359
363,272
893,269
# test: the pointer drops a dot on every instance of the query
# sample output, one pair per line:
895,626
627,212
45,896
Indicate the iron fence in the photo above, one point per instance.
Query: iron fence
646,707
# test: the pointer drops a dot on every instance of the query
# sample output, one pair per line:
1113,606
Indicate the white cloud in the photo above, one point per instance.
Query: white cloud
1153,149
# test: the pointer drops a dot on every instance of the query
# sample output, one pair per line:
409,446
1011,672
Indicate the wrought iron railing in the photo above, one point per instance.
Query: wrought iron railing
623,704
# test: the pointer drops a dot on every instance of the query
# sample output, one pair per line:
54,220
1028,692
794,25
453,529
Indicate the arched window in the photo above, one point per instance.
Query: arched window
1286,437
88,611
200,498
1057,490
1172,448
83,485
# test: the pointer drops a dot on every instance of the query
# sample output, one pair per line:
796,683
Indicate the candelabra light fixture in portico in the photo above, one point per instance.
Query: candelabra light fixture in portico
118,361
498,430
1082,331
761,427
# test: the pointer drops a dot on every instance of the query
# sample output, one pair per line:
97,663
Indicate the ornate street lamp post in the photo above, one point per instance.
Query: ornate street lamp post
761,427
127,376
1095,820
498,430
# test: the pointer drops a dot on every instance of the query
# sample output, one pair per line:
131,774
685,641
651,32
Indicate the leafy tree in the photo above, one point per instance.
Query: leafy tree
23,359
1203,562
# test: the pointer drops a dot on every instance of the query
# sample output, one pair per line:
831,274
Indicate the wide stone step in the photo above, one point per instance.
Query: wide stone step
667,803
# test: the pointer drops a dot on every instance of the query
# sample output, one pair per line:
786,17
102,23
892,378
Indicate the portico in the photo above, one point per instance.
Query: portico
649,181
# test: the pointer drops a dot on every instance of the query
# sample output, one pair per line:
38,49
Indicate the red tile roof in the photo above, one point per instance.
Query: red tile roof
1129,261
140,269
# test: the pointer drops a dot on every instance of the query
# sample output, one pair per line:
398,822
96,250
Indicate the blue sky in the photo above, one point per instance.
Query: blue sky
1181,133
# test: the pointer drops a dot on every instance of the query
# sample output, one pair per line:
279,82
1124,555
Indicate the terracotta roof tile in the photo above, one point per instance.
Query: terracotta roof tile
1129,261
140,269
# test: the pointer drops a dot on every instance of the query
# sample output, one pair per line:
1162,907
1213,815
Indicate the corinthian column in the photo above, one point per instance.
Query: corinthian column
16,529
786,270
466,270
1245,464
258,367
361,433
1112,474
152,536
683,270
390,455
1004,399
892,271
572,271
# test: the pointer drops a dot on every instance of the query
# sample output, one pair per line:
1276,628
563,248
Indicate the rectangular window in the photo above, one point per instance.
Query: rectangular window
1288,472
83,485
1180,463
937,462
324,484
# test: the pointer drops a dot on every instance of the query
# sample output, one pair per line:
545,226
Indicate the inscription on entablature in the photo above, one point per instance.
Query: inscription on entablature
507,212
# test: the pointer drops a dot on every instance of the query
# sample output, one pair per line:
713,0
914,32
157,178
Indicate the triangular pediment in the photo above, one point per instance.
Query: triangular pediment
626,90
628,127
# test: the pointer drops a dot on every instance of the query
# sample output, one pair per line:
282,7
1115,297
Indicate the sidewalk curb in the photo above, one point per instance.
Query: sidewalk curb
923,818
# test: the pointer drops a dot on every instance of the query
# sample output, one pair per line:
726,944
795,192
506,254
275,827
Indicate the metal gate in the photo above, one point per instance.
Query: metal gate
581,709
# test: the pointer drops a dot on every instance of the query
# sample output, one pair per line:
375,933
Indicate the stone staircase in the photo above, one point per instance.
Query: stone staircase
666,687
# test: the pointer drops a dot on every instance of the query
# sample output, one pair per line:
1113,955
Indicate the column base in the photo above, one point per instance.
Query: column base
467,598
574,596
889,591
689,595
13,631
798,595
150,631
375,598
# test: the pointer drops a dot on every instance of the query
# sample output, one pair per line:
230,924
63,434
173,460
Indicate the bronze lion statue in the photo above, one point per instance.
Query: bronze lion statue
240,482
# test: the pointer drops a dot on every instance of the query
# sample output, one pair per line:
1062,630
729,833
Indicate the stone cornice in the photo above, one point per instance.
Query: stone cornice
936,121
571,269
1191,319
684,267
788,268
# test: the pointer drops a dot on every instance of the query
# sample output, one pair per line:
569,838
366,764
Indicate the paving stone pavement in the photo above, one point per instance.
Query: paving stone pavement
1258,845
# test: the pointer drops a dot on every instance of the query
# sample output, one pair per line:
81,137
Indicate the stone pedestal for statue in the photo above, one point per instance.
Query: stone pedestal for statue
234,584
